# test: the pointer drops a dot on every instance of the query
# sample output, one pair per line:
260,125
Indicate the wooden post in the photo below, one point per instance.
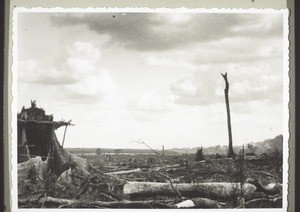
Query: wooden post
24,152
241,170
226,90
64,136
163,154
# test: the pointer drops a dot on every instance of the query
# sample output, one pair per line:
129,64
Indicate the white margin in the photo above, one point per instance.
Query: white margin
286,93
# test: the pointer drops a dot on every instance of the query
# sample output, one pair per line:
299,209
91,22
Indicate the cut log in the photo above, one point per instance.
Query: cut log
213,190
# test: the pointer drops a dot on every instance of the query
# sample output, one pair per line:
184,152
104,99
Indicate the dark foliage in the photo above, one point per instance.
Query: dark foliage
199,155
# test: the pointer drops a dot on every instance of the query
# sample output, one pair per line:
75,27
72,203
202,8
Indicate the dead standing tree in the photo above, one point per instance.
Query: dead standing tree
226,90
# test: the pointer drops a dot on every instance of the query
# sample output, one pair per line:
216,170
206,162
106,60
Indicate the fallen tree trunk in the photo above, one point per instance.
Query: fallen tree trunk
107,177
274,200
166,167
190,203
200,203
218,191
69,175
270,189
267,174
175,169
115,167
34,166
63,160
66,203
125,172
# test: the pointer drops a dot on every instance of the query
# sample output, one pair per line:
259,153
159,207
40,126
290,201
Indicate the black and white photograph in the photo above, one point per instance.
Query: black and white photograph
119,108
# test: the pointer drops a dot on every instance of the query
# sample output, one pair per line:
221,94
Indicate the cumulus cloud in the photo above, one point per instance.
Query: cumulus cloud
168,61
238,50
163,31
79,75
83,50
160,101
92,87
31,71
92,82
267,88
247,84
81,59
269,24
195,89
155,61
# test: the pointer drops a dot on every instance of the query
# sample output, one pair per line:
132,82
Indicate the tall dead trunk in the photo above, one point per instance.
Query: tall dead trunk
226,90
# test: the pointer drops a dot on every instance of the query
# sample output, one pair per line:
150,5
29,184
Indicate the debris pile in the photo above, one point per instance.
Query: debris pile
51,177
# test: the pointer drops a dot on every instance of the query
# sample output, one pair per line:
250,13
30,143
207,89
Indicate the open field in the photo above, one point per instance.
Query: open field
186,168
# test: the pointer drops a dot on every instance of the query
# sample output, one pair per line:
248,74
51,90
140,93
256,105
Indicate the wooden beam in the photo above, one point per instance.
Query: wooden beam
64,136
25,145
37,156
61,123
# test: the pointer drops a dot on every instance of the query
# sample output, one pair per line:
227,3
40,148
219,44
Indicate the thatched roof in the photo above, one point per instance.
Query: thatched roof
35,115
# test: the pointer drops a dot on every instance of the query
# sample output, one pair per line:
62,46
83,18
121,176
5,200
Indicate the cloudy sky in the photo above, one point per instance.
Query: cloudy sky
153,76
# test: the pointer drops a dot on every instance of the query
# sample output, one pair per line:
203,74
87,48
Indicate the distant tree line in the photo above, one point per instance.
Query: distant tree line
115,151
267,146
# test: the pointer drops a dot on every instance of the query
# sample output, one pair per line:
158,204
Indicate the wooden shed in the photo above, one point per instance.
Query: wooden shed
37,143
